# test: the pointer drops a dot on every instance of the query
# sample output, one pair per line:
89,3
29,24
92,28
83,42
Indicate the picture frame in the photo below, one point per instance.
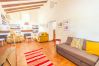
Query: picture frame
4,22
60,24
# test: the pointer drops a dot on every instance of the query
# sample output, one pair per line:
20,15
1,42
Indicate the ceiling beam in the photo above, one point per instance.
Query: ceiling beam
7,0
28,3
23,7
19,1
22,10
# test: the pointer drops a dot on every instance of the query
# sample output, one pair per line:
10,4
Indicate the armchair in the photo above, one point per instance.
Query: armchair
43,37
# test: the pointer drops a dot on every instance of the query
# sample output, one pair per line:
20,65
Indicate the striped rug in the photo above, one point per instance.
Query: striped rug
37,58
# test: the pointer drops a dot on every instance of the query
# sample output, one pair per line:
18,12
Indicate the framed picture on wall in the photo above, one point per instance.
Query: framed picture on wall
35,28
60,24
3,19
66,25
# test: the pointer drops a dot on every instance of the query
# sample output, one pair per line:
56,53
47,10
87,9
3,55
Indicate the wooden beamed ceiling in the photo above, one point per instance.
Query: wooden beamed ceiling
7,0
22,9
27,5
20,4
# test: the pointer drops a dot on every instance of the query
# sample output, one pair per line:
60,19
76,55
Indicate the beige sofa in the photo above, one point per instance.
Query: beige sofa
16,38
77,56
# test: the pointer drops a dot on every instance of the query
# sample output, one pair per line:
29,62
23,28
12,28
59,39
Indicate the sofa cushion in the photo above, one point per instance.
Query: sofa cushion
69,40
84,45
79,54
77,43
92,47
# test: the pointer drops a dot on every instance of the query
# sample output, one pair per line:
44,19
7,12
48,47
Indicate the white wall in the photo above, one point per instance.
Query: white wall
34,16
1,12
30,16
15,18
83,16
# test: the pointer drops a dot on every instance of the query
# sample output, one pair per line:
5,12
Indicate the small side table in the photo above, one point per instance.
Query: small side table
57,41
29,38
2,41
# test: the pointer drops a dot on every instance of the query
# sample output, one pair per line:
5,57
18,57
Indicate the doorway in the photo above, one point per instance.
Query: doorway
52,30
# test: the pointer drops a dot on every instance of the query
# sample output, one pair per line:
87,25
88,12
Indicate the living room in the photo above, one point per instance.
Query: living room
62,21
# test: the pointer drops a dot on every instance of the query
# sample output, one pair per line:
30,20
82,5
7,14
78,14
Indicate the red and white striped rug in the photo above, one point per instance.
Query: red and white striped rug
37,58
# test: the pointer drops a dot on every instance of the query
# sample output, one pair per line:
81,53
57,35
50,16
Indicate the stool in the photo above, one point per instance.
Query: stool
58,41
28,38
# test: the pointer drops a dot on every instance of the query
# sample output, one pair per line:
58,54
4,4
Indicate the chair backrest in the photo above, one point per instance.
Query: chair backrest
27,34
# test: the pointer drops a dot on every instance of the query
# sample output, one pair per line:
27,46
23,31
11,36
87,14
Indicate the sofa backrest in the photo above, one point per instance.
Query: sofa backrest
84,45
69,40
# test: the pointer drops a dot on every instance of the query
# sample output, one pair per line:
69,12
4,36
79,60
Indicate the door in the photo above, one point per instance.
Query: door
52,30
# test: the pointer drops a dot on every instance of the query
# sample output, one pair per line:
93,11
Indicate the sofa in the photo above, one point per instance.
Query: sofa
78,56
15,38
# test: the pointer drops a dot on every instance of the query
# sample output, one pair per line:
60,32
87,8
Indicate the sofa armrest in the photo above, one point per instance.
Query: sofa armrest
97,64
